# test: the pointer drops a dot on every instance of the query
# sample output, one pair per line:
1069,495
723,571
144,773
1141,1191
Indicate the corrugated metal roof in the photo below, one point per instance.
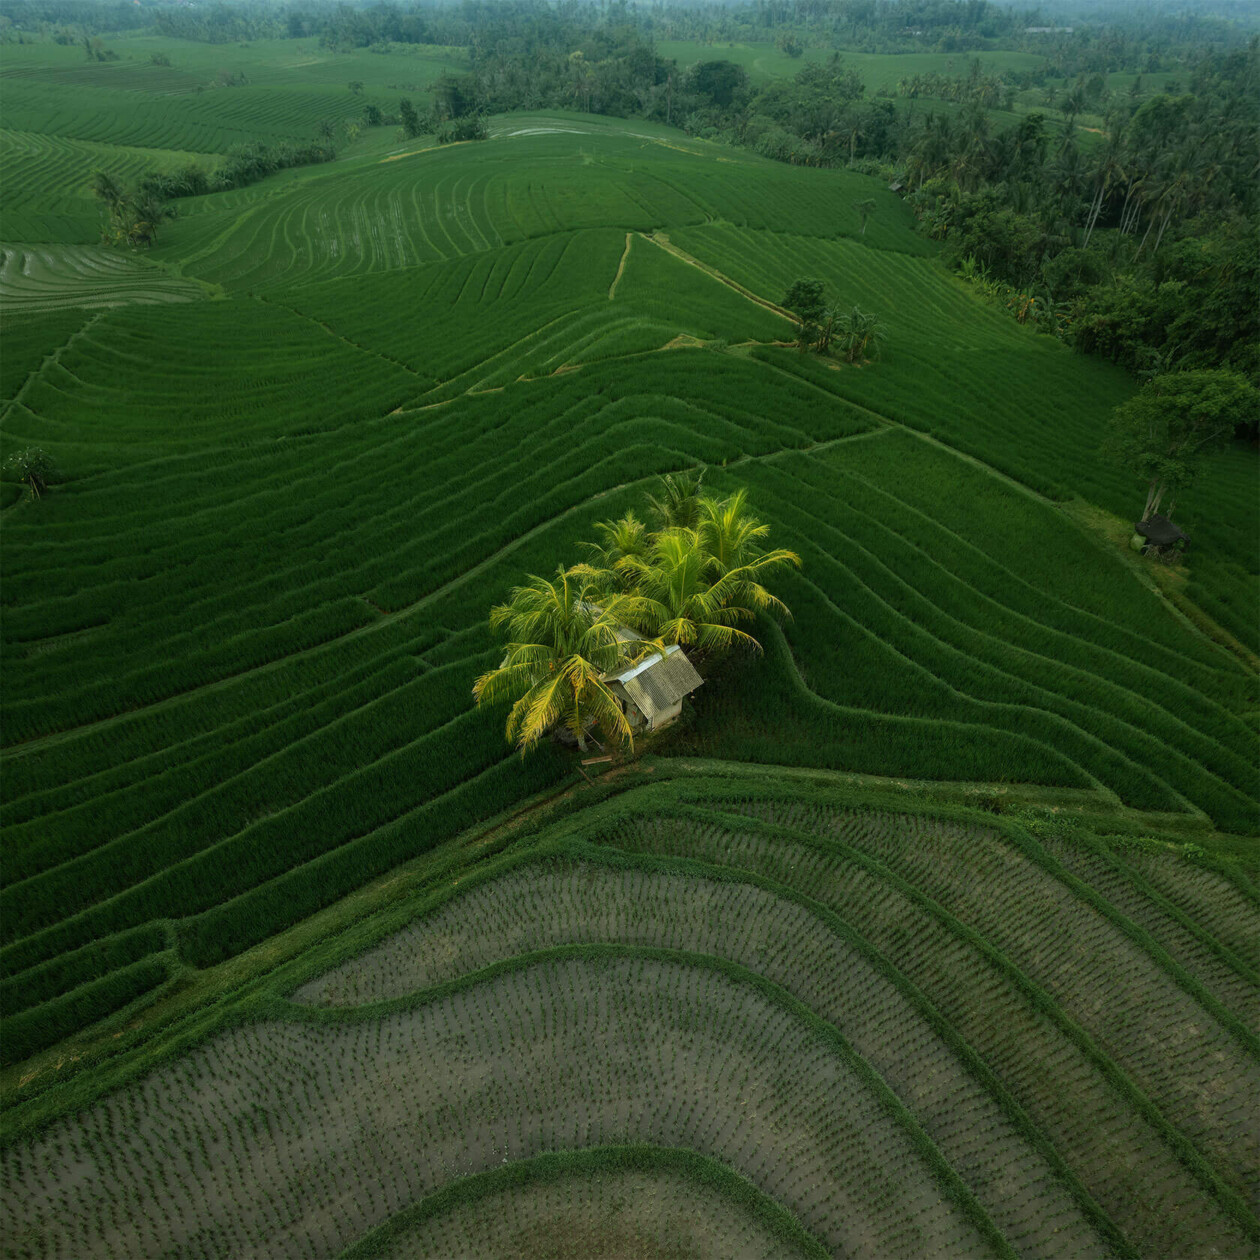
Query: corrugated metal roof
624,675
660,682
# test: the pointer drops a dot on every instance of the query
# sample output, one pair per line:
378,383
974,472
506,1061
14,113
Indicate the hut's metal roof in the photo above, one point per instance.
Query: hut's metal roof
657,683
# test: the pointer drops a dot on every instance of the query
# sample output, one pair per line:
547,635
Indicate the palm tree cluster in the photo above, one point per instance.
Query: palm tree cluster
694,577
133,216
829,327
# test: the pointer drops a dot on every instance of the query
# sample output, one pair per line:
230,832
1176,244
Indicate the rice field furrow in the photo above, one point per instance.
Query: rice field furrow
1105,634
1104,981
925,948
642,1197
1223,764
1225,975
149,786
750,925
936,661
691,1039
1230,912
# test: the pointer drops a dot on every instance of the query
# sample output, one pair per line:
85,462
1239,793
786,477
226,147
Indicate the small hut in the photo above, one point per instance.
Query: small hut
1162,537
651,692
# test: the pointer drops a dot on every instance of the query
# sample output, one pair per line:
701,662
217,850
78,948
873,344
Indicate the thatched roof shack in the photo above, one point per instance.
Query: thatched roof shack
651,693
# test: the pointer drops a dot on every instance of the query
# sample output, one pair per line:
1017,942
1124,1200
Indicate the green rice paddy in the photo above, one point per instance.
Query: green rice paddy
785,975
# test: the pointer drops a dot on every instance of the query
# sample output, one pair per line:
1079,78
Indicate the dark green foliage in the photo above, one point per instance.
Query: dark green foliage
718,82
460,130
38,1027
805,299
243,165
410,119
1165,433
33,467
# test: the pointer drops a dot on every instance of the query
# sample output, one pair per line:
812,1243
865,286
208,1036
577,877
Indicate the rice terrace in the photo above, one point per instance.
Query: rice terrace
585,669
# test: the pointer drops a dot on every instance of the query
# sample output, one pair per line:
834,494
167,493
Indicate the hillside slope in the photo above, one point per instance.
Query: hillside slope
240,637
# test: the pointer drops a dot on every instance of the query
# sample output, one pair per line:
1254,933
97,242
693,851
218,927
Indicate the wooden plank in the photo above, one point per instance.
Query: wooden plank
594,761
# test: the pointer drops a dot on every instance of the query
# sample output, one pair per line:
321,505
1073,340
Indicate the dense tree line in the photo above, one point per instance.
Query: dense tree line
1141,247
243,164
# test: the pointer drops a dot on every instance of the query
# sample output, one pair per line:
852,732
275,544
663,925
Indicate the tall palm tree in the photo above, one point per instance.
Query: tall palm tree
678,506
679,604
731,538
560,644
860,334
151,210
108,189
619,540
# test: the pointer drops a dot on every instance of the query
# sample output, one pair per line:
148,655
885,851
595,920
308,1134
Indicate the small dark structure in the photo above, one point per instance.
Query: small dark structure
1163,538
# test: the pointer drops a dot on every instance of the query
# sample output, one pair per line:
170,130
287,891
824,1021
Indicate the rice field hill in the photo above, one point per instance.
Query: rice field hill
995,781
166,104
718,1011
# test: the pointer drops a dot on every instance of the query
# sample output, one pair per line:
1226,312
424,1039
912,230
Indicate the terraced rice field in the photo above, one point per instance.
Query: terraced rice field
239,638
420,206
872,1021
47,192
52,277
65,117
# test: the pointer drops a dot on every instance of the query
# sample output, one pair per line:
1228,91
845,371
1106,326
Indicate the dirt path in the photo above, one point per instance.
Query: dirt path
661,239
621,266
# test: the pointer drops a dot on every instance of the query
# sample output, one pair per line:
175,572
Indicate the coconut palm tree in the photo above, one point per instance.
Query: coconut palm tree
619,540
731,539
824,331
560,644
859,335
678,506
679,603
108,190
